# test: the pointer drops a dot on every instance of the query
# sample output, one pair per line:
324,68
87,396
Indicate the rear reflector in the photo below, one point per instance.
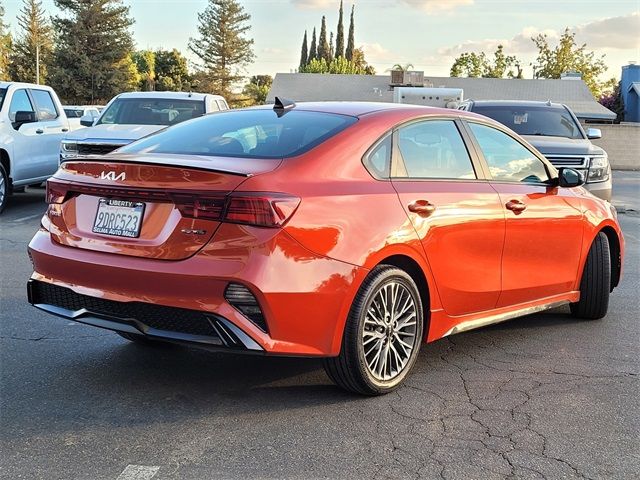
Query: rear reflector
242,299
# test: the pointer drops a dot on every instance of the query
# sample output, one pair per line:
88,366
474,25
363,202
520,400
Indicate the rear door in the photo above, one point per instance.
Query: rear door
456,214
50,130
543,222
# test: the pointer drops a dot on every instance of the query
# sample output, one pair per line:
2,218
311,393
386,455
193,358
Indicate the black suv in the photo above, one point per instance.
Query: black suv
555,131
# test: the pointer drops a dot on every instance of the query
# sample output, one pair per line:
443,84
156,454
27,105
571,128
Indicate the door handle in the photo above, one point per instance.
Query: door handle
516,206
39,131
65,129
422,208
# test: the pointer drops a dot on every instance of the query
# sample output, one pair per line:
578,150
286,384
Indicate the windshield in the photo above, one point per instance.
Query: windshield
151,111
73,112
253,133
524,120
3,92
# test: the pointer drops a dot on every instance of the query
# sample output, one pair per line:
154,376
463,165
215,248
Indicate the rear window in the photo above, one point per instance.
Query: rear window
73,112
245,133
529,120
151,111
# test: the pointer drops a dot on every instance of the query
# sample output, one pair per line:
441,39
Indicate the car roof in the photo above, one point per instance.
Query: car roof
357,109
170,95
24,85
519,103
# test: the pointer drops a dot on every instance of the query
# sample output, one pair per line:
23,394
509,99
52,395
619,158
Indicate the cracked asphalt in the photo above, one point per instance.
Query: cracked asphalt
541,397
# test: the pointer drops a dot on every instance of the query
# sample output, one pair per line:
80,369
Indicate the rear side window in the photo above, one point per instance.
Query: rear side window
258,133
19,103
222,105
507,158
433,149
378,160
44,103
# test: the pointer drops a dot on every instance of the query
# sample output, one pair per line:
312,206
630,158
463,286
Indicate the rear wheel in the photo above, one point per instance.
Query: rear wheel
4,187
596,282
382,336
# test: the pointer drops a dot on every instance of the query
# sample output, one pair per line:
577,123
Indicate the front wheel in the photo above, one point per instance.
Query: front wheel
595,284
382,336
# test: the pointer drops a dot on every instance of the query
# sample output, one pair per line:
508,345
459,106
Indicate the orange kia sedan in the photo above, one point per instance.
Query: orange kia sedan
349,231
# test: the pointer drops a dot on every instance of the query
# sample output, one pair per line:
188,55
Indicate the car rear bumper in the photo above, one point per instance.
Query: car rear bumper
305,298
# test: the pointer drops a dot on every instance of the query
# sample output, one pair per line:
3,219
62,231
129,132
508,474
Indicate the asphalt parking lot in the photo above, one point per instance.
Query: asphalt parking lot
544,396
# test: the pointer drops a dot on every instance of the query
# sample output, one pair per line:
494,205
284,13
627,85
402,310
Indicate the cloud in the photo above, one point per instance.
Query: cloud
376,53
436,6
314,4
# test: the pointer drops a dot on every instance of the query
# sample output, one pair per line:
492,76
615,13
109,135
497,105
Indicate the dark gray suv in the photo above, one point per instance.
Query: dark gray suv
555,131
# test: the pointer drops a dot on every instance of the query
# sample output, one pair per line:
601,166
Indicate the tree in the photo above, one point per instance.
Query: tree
323,44
402,68
304,53
340,65
171,71
5,47
223,46
258,88
567,56
348,54
340,35
34,44
471,64
313,51
92,60
332,50
145,61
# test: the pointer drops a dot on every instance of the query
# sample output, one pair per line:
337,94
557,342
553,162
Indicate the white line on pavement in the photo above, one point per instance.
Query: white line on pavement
138,472
29,217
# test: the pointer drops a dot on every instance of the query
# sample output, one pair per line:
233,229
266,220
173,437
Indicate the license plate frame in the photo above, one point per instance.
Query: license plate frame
114,218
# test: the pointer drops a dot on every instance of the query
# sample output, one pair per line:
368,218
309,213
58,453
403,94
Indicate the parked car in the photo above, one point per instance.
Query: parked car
130,116
556,132
32,124
76,112
349,231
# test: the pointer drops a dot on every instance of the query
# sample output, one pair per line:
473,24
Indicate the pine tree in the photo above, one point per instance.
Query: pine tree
304,54
222,45
323,44
92,60
340,35
5,47
313,51
351,39
33,44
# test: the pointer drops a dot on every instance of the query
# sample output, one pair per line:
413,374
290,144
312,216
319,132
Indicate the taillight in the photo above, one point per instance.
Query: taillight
257,209
56,192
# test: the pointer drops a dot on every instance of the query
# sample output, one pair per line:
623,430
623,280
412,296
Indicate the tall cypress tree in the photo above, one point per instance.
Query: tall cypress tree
92,59
340,35
304,54
323,44
313,52
351,40
223,46
34,40
332,50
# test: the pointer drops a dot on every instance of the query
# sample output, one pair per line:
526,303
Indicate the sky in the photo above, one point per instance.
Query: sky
426,33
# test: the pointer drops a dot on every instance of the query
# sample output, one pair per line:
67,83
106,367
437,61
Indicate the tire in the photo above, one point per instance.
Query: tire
365,339
4,188
595,284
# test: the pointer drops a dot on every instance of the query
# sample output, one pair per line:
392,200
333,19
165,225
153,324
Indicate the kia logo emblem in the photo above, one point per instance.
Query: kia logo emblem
112,176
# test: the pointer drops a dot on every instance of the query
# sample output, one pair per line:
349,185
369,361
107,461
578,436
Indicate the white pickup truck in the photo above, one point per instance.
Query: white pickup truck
32,124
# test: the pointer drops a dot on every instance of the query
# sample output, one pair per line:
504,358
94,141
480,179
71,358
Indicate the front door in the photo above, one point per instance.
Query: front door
543,222
458,217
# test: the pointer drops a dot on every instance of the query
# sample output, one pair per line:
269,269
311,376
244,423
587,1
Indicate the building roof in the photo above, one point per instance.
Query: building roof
320,87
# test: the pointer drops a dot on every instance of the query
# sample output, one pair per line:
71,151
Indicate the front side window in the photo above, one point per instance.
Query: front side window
151,111
433,149
19,103
508,159
44,103
255,133
222,105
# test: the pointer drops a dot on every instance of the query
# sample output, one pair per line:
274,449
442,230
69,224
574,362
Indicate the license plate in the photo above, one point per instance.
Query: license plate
119,218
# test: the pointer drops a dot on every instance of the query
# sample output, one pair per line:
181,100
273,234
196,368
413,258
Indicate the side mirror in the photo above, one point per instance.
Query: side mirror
87,120
594,133
568,177
23,117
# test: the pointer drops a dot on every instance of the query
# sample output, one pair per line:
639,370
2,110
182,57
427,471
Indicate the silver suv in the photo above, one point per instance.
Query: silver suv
555,131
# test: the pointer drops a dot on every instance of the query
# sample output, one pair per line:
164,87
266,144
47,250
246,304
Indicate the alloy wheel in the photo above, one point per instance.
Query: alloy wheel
389,333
